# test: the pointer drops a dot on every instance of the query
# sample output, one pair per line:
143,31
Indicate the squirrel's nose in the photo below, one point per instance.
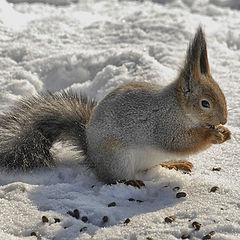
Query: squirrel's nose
223,121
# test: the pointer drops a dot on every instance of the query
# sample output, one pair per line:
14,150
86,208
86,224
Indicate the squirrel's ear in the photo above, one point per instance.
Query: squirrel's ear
196,62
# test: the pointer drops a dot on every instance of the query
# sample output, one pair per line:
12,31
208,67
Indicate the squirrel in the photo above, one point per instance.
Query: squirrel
136,126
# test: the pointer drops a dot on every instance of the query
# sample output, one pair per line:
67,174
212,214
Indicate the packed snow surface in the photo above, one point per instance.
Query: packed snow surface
91,47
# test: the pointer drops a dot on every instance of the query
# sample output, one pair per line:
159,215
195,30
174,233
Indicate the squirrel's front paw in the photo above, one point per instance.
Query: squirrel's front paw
220,134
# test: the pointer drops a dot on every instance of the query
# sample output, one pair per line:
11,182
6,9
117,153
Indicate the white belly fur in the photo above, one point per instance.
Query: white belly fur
148,157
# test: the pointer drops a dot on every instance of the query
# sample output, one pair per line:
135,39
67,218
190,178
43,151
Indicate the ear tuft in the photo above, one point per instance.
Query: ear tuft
196,62
197,52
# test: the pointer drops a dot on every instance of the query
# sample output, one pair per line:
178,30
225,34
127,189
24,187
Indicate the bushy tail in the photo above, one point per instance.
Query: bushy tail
29,129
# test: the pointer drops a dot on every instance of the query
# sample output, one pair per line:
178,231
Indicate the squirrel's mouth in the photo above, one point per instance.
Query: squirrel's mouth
208,125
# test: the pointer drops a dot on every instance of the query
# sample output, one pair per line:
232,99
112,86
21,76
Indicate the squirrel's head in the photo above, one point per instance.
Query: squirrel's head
200,96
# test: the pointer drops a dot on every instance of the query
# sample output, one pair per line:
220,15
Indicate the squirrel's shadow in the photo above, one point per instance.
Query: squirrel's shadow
68,188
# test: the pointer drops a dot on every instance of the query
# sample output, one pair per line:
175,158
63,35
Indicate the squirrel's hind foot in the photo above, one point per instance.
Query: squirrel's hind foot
183,165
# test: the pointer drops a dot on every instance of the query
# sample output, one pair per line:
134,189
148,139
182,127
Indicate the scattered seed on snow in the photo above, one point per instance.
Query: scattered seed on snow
57,220
112,204
34,234
76,213
127,221
45,219
214,189
196,225
84,219
83,229
105,219
170,219
181,195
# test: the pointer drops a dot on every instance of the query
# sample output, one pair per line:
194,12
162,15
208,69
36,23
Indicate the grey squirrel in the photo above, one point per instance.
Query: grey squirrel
134,127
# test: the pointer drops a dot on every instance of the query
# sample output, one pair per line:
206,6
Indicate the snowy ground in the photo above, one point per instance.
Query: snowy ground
92,46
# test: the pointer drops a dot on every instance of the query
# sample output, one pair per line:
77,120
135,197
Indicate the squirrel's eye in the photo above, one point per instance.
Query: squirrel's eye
205,104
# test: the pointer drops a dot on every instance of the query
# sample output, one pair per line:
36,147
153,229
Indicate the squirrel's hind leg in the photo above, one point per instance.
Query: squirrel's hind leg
114,163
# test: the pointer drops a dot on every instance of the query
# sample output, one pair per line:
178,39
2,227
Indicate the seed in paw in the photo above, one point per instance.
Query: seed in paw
170,219
105,219
84,218
57,220
83,229
127,221
196,225
185,236
214,189
34,234
76,213
181,194
44,219
112,204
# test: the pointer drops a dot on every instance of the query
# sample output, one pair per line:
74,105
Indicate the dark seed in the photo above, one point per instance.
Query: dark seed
84,218
112,204
83,229
185,236
181,194
34,234
214,189
170,219
71,213
127,221
131,199
207,237
176,188
139,201
76,213
149,238
216,169
57,220
105,219
196,225
44,219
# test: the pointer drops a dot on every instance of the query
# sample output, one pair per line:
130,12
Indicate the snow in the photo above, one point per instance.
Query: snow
91,47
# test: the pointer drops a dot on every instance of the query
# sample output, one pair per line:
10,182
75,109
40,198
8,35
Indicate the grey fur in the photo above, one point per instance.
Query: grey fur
29,130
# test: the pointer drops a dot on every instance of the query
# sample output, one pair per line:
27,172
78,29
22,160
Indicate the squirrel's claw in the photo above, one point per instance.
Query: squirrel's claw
220,134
